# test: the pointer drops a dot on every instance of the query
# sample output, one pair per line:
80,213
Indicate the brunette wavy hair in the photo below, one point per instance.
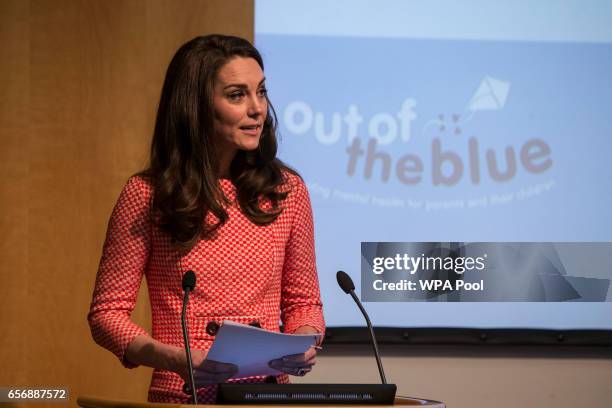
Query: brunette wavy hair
183,163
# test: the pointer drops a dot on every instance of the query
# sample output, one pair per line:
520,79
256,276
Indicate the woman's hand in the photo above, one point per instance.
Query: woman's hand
207,372
144,350
297,364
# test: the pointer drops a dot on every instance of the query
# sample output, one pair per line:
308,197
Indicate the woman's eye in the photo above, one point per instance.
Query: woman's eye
262,92
234,96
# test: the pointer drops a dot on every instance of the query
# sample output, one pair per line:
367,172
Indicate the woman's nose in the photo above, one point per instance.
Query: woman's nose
255,107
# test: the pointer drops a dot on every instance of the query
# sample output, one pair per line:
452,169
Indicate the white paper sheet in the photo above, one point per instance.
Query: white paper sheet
251,348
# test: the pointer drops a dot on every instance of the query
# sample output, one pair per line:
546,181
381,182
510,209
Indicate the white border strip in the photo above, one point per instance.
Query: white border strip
506,20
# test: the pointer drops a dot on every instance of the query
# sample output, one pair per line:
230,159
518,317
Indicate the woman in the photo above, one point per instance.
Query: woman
217,201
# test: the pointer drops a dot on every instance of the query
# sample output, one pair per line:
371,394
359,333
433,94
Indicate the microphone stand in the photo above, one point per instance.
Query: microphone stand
374,343
192,388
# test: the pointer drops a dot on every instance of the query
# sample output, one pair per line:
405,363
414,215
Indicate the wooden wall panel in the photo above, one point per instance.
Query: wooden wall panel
81,82
14,282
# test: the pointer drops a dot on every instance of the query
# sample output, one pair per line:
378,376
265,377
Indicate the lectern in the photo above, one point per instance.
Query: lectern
95,402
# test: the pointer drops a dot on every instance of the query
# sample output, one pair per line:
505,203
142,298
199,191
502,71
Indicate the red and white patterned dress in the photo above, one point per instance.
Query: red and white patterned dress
246,273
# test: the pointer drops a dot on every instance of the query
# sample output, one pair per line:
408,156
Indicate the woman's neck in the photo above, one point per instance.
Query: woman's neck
225,161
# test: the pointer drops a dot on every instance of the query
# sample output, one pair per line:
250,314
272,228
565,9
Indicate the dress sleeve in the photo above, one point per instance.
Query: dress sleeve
124,258
301,300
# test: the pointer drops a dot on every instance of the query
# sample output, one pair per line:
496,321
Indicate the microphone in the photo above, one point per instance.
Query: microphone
189,282
347,285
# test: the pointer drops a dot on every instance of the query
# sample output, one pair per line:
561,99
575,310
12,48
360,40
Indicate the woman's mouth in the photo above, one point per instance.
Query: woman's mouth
251,130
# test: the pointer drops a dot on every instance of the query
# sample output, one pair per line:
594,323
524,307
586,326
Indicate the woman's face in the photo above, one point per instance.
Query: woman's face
240,105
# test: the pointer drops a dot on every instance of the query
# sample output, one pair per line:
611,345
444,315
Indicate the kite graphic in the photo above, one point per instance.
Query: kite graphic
490,95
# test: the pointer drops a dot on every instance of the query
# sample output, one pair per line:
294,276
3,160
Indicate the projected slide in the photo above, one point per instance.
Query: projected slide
440,122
